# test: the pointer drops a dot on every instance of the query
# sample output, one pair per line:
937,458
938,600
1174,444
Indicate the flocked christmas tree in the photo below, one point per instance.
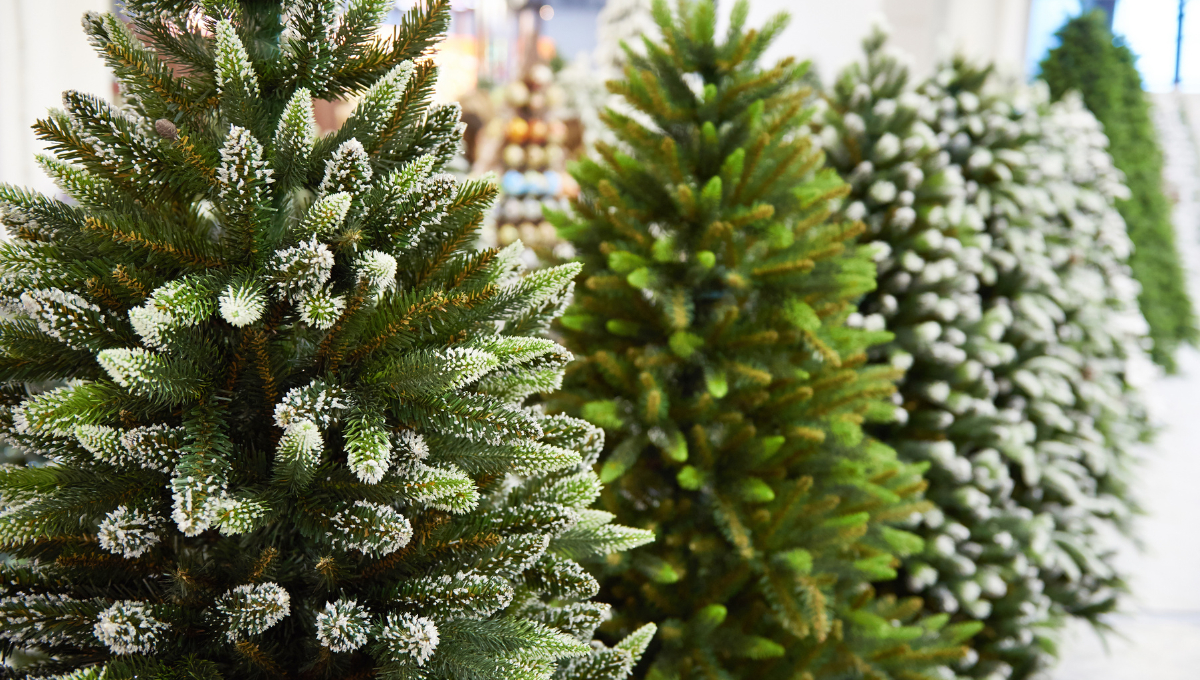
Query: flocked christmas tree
293,439
1015,315
1101,68
710,325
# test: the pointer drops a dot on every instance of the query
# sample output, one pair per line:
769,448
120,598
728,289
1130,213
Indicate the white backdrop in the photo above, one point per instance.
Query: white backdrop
829,31
43,51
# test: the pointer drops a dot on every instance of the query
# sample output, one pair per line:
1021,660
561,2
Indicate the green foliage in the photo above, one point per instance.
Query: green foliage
1003,275
288,432
1098,66
714,351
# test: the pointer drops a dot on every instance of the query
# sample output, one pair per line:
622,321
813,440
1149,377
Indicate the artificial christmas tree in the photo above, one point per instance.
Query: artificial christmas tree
713,351
1006,284
1091,61
292,440
877,134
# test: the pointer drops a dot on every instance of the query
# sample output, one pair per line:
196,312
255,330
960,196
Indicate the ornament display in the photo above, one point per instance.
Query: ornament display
535,143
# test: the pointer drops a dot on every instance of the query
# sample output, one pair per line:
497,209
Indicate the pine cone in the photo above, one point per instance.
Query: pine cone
166,129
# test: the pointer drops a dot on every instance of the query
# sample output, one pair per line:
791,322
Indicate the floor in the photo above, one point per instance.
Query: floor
1159,636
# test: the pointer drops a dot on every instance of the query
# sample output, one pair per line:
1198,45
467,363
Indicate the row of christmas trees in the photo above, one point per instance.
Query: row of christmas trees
846,376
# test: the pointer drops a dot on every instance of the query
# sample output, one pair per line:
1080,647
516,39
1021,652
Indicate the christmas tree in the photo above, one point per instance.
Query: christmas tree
292,438
1101,68
1006,283
714,351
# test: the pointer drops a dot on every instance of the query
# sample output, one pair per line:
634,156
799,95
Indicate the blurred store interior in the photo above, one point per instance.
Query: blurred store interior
492,42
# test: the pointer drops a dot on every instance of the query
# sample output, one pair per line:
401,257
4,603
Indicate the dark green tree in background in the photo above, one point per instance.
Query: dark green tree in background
292,438
1101,68
710,326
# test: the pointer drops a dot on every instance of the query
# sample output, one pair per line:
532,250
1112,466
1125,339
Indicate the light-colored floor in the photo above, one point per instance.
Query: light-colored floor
1146,647
1159,637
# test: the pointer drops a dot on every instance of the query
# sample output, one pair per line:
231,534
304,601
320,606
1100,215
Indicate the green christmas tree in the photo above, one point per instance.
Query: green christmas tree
292,439
710,326
1006,283
1101,68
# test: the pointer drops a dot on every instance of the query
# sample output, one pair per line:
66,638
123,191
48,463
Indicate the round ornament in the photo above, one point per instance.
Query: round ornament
535,156
528,232
514,183
514,210
535,183
507,234
538,131
553,182
555,96
541,74
518,130
517,94
556,156
533,209
514,156
570,186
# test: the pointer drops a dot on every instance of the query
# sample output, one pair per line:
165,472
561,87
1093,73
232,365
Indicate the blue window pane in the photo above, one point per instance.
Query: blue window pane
1045,18
1150,28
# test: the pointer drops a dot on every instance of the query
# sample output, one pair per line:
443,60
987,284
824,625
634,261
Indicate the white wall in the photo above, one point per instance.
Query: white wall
43,51
829,31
